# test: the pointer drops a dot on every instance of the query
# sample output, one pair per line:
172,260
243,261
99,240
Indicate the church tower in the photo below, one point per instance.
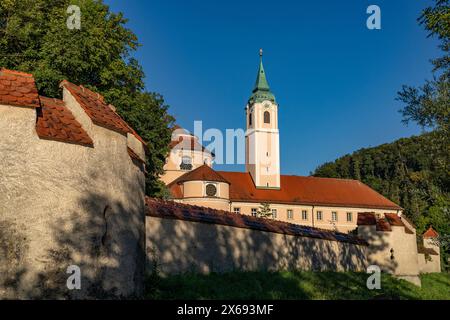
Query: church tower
262,153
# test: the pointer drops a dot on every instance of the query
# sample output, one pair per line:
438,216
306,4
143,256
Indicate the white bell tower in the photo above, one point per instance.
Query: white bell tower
262,154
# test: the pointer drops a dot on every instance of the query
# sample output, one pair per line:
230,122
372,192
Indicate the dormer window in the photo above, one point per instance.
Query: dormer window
186,163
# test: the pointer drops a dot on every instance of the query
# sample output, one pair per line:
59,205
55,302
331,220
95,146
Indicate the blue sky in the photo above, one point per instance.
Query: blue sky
335,80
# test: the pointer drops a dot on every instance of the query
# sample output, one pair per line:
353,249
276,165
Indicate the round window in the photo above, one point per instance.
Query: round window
211,190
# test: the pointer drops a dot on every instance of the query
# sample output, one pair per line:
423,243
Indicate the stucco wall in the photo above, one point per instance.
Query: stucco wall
172,166
429,263
176,246
63,204
404,262
341,225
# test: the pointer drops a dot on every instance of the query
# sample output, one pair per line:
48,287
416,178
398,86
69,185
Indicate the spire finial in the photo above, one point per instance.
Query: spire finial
260,52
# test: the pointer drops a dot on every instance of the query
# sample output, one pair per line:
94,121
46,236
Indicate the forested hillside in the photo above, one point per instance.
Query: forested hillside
413,172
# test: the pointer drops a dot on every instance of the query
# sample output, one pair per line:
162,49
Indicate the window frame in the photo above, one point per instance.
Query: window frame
266,116
319,215
215,185
237,210
334,216
290,214
349,214
304,215
186,166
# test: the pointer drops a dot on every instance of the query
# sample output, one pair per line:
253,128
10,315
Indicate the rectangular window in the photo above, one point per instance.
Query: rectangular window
319,215
254,211
237,210
349,216
290,214
274,213
334,216
304,215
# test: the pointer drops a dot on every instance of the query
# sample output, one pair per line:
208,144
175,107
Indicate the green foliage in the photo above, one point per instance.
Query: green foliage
264,210
413,172
34,38
429,105
293,285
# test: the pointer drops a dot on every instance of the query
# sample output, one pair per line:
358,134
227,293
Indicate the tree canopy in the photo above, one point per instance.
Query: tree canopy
34,38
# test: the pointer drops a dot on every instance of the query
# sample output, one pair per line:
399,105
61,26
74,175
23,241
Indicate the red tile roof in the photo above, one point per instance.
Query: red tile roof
56,122
309,191
430,233
382,224
202,173
174,210
366,219
18,89
394,219
96,108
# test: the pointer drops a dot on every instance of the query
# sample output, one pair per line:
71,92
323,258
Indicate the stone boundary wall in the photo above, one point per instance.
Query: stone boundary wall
181,238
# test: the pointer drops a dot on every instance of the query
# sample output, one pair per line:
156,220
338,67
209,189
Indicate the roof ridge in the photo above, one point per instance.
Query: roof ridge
187,175
51,98
299,176
16,73
56,122
430,233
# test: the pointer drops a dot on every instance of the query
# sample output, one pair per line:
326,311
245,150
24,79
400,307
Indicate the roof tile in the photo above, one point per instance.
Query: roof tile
430,233
18,89
95,107
202,173
56,122
306,190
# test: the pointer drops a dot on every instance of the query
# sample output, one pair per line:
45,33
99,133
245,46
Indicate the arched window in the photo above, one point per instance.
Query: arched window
186,163
266,117
250,119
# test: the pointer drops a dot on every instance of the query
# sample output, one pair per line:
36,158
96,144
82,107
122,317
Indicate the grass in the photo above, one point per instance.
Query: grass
293,285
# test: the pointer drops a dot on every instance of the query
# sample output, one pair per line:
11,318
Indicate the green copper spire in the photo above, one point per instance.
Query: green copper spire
261,91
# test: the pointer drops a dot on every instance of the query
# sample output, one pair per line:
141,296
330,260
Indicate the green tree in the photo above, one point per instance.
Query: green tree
34,38
429,104
264,210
